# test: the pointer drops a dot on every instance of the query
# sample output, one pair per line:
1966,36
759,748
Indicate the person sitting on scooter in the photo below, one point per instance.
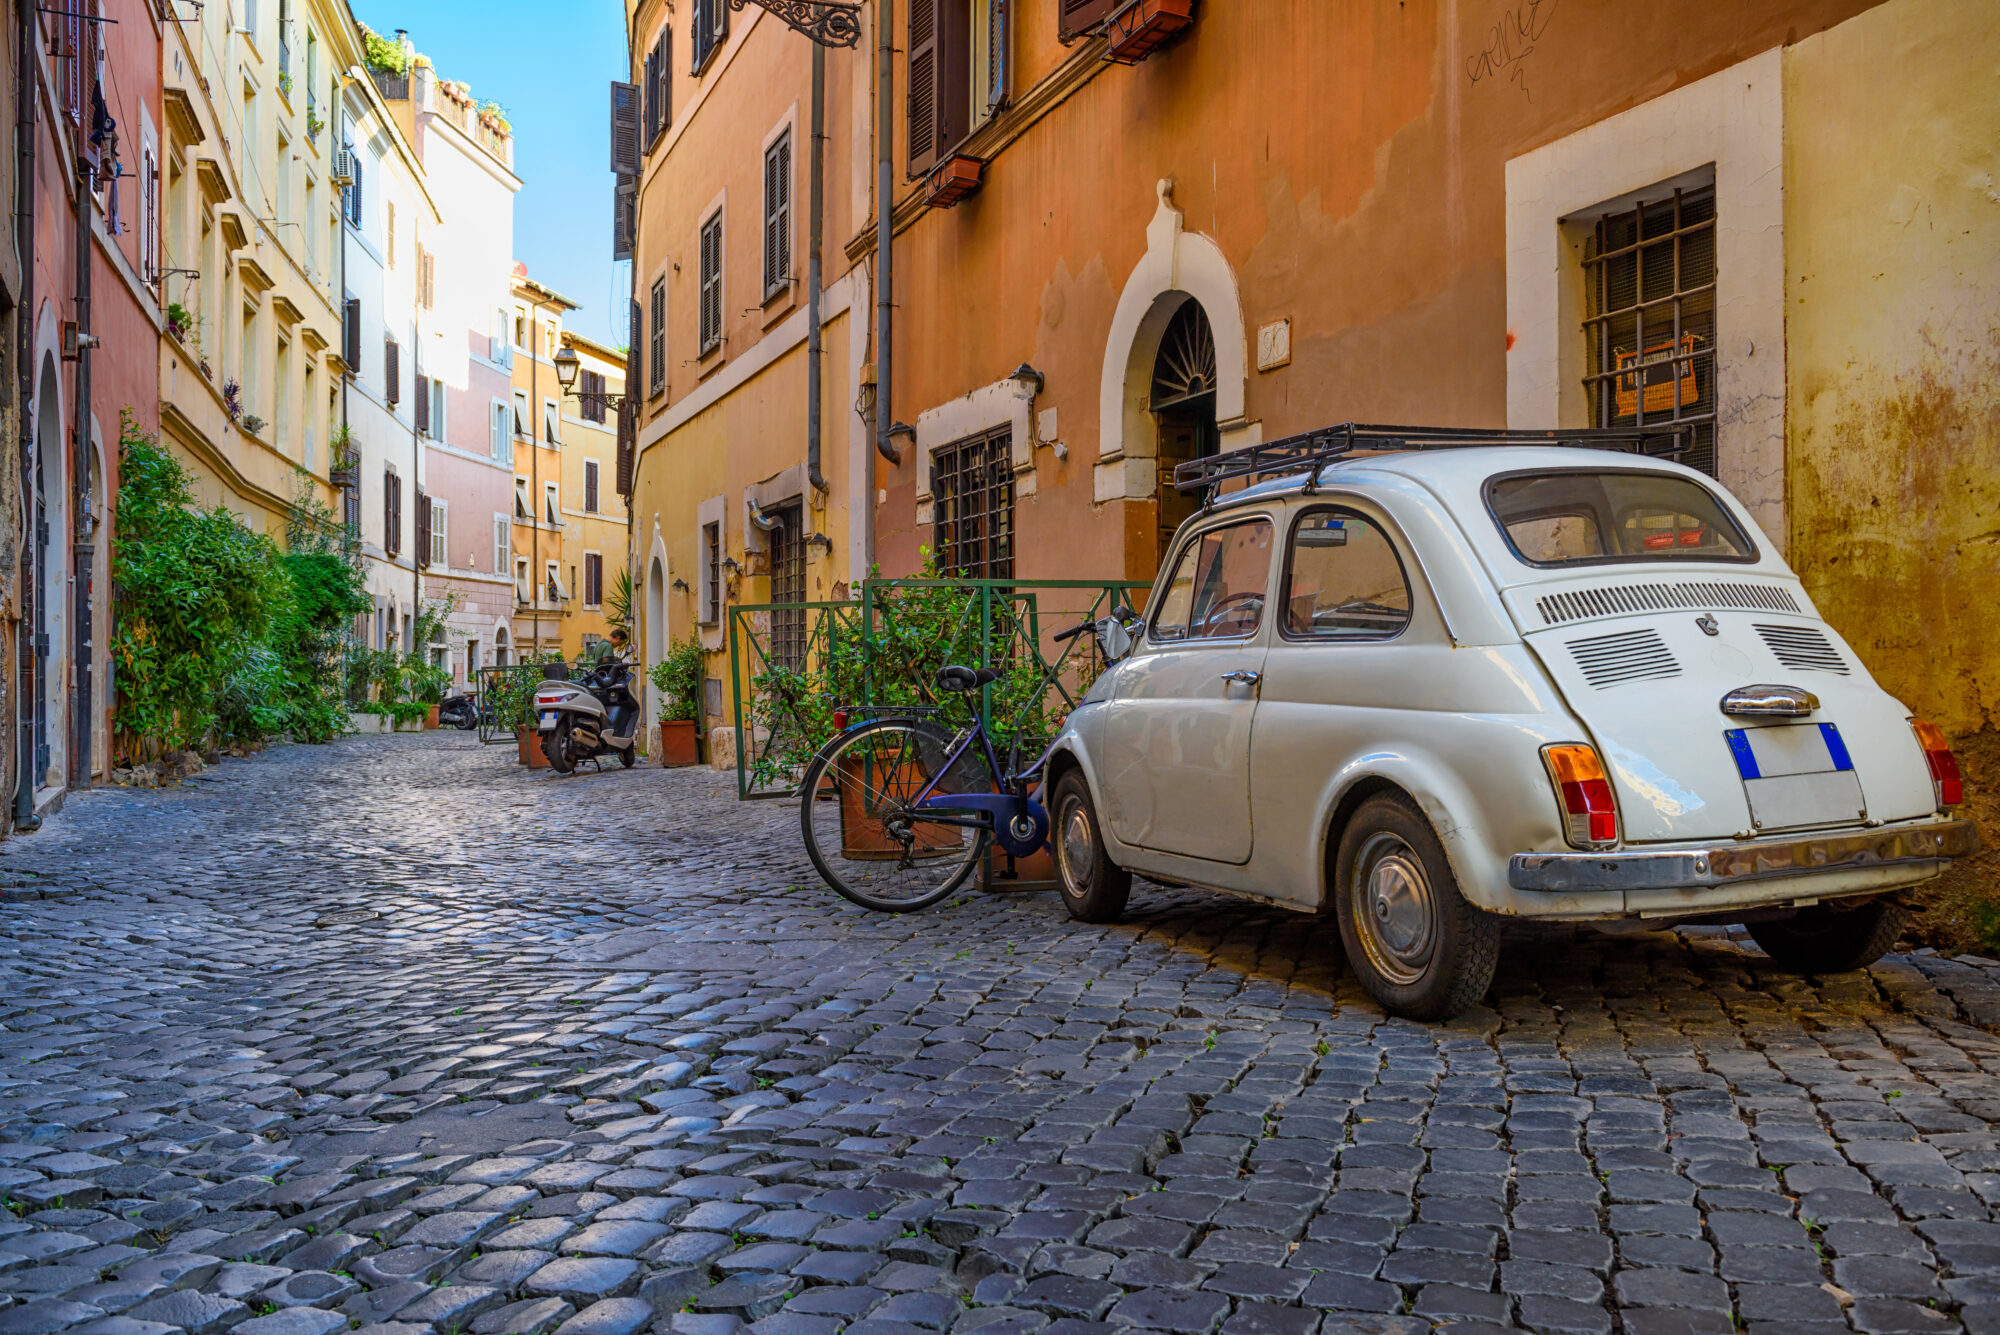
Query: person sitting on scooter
605,650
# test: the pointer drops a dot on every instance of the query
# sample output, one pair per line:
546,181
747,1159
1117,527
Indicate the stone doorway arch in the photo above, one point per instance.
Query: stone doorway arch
1178,267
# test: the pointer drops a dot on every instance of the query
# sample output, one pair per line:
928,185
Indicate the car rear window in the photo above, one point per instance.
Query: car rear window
1579,516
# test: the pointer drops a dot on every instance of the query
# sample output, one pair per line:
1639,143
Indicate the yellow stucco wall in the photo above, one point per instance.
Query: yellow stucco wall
1892,222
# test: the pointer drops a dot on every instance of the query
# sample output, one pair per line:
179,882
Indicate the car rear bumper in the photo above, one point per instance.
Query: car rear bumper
1922,849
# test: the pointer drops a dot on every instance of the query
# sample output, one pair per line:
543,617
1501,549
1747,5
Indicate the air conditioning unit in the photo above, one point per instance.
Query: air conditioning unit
343,167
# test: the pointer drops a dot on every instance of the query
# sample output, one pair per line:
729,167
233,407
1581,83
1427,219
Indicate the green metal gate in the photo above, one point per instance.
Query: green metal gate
882,650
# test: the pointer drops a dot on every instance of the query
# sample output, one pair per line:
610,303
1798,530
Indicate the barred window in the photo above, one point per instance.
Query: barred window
788,584
972,493
1650,287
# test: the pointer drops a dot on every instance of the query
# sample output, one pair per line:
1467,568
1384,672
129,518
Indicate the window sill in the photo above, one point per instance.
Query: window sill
708,363
779,303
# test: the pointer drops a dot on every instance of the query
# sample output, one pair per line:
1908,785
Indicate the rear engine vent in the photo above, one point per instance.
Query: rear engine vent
1621,599
1606,660
1802,647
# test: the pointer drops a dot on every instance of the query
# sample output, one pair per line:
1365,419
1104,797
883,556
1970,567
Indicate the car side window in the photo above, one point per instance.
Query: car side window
1218,586
1343,580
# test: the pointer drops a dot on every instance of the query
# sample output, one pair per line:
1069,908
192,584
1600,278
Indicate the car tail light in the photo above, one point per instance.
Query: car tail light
1945,778
1590,813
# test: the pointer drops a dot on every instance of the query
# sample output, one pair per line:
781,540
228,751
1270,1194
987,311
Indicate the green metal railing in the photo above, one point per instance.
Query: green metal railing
882,650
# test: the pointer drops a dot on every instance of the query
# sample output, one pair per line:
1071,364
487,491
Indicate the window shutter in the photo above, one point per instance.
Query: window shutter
649,86
624,127
658,347
392,372
590,486
423,552
350,351
778,215
624,217
923,75
1082,16
389,513
503,542
628,430
424,404
663,55
711,283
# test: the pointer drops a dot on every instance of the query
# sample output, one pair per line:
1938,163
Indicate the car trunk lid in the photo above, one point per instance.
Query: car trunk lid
1649,686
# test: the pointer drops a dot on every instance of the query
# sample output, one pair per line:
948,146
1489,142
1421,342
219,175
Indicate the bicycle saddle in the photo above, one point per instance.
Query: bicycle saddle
956,678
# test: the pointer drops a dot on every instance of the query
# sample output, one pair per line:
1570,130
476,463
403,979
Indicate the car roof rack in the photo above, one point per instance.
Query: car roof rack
1308,451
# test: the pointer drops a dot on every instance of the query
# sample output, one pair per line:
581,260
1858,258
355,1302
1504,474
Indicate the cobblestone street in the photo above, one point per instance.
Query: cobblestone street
395,1035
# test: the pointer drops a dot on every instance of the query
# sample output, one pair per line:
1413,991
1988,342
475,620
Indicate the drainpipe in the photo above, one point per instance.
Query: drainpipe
25,90
417,558
818,204
83,550
885,227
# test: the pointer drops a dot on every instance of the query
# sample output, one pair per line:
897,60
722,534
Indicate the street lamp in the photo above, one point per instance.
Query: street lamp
568,364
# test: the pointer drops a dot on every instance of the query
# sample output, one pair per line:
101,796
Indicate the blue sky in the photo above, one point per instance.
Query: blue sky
549,66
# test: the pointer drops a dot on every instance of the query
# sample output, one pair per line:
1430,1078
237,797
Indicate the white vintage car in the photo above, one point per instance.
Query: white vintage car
1431,686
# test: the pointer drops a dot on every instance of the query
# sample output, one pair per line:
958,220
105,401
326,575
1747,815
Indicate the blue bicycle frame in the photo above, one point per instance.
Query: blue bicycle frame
1018,822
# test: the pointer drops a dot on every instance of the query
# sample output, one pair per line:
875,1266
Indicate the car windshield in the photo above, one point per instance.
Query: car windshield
1590,516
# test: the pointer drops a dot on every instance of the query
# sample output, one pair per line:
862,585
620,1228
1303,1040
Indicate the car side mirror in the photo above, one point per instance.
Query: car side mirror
1117,633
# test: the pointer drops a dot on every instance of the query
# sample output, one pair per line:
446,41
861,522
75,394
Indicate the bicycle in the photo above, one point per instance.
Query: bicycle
897,812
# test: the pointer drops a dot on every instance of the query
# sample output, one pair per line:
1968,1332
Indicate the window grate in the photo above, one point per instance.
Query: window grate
1650,282
711,541
972,491
788,586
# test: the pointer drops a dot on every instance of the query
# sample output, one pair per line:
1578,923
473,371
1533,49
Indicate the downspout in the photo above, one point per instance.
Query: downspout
818,206
25,90
417,558
83,550
537,586
885,229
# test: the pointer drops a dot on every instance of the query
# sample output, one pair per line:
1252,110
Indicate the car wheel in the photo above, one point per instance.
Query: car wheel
1824,939
1413,941
1093,887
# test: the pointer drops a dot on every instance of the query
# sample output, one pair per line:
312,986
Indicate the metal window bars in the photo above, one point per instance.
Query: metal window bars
1308,451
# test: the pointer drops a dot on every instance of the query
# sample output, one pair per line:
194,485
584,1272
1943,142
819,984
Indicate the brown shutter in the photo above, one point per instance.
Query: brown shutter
424,404
350,345
1082,16
625,128
624,217
389,524
392,371
590,486
423,529
923,106
628,429
650,89
663,57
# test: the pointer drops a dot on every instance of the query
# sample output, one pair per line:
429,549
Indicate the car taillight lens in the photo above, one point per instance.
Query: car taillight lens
1590,814
1945,778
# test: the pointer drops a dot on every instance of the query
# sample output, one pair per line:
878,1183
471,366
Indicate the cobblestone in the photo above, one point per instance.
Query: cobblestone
598,1055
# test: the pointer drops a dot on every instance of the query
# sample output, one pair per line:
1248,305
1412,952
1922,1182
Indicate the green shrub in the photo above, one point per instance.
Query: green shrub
678,679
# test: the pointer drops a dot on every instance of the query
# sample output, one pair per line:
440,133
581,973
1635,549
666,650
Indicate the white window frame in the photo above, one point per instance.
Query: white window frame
503,542
524,504
522,416
552,574
440,552
524,585
500,440
552,423
552,503
437,407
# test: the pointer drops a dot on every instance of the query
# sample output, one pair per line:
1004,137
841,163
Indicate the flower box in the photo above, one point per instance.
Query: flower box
952,180
680,743
1141,27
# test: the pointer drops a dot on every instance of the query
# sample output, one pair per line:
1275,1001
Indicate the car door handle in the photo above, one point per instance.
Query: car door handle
1243,677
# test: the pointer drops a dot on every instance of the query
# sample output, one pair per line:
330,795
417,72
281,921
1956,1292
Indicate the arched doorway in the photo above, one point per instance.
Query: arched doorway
1183,407
656,625
51,516
501,648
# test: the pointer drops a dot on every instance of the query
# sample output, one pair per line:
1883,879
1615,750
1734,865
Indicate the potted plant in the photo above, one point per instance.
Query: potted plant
342,457
425,684
677,677
180,321
232,399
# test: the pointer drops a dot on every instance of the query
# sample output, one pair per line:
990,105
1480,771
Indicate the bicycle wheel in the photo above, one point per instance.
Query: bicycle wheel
861,832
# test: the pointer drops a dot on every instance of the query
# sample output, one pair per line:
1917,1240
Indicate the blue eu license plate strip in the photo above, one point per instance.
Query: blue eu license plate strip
1804,748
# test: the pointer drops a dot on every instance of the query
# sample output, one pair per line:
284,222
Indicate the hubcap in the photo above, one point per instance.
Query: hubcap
1075,845
1395,913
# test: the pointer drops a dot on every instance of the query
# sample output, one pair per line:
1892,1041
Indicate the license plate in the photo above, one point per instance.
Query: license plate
1797,775
548,719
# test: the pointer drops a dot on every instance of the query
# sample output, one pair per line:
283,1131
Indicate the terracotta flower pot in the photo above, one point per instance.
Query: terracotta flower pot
680,743
431,717
530,744
862,837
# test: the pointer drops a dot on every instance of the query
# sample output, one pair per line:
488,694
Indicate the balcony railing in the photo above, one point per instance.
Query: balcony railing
392,87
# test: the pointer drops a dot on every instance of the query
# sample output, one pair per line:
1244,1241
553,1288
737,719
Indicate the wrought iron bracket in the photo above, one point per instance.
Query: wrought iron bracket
828,22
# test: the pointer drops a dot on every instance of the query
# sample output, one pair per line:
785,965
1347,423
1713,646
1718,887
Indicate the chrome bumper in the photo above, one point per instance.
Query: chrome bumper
1733,864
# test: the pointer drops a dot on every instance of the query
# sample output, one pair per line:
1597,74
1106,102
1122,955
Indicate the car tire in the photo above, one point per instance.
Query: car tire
1822,939
1093,887
1413,941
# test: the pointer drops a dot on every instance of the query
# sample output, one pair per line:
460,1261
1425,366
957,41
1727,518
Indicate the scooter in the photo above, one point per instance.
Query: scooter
458,711
589,719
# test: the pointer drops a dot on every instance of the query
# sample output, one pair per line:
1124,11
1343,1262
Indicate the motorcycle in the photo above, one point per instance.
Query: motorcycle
589,719
458,711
